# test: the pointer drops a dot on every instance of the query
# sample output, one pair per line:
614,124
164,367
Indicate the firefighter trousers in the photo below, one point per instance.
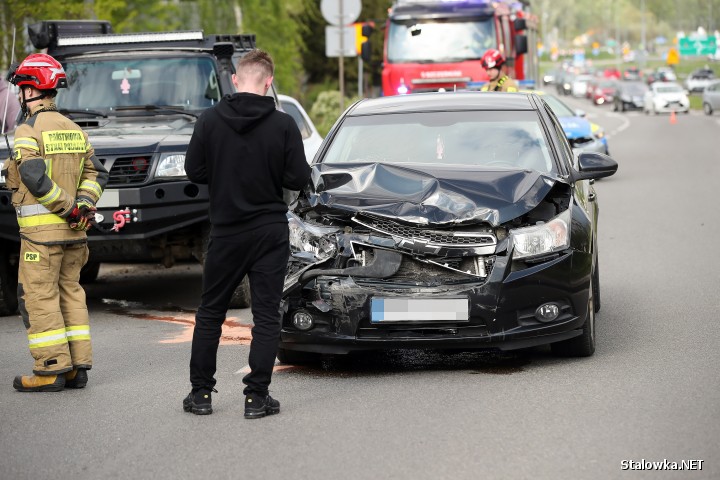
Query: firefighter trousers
52,306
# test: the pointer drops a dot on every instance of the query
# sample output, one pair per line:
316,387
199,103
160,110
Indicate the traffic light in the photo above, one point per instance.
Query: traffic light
363,30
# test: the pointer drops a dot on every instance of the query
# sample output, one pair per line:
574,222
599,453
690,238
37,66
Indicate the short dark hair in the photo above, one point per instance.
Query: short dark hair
256,62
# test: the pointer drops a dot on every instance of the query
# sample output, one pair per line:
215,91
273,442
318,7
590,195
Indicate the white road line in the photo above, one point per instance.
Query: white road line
624,126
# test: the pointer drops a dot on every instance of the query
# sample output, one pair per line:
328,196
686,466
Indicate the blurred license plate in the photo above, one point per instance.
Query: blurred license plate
388,310
109,199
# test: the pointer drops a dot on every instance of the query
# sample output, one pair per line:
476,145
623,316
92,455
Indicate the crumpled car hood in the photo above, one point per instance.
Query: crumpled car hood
433,195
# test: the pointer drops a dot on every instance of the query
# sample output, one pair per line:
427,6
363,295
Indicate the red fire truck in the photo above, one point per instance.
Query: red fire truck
437,44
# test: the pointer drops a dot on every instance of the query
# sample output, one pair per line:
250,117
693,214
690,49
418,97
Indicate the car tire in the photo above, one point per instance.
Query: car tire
9,251
294,357
584,344
89,272
707,108
596,283
241,297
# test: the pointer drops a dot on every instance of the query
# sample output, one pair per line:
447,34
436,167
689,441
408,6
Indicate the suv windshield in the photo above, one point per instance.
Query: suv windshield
439,40
483,139
183,82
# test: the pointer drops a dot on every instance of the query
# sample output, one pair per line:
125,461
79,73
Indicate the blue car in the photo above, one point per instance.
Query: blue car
580,132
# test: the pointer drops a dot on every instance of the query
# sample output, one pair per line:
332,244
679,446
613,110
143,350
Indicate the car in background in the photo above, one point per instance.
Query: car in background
711,98
311,137
666,97
603,91
580,84
550,77
582,134
662,74
564,83
699,79
629,96
448,221
632,73
611,73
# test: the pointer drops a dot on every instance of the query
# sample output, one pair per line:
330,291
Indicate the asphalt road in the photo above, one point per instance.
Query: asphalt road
650,393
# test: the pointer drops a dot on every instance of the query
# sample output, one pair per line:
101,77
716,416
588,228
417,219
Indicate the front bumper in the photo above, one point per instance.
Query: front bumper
501,310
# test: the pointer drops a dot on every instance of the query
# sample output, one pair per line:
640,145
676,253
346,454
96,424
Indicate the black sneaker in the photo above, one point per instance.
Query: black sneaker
257,406
199,401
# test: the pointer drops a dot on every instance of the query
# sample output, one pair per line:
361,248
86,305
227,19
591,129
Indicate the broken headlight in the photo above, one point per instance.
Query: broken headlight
316,240
549,237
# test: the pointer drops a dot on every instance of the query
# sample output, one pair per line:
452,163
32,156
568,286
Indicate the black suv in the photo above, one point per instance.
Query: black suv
137,96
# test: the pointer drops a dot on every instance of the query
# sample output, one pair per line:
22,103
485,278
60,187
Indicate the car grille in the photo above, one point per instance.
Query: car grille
127,171
416,273
434,237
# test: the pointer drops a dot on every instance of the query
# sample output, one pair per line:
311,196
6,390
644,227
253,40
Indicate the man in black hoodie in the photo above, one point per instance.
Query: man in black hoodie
246,151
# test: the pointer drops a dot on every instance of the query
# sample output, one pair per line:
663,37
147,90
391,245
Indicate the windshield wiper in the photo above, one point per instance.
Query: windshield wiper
156,109
94,113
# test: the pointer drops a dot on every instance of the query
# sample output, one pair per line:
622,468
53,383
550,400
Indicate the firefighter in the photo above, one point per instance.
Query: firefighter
55,180
494,62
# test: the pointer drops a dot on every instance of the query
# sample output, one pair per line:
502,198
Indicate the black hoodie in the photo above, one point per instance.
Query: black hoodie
246,151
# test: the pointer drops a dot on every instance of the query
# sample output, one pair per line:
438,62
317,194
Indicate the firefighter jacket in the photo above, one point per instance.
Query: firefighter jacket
52,164
503,84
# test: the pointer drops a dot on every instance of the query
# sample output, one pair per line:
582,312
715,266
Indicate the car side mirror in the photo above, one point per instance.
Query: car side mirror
593,165
580,113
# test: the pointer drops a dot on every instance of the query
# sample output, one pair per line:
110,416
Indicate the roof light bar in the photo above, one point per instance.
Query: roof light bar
130,38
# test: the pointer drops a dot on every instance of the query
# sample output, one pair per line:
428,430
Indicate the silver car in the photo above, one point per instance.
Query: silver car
711,97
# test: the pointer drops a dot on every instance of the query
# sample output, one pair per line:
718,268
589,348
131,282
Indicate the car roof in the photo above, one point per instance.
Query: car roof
443,102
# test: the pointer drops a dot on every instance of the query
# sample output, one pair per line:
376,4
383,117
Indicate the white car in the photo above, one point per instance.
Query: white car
580,84
698,80
666,97
311,137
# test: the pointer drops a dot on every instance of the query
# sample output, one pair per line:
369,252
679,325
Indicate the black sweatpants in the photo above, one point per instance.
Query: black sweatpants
262,254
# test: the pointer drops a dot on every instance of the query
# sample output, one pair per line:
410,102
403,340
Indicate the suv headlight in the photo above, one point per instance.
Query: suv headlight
548,237
171,165
313,239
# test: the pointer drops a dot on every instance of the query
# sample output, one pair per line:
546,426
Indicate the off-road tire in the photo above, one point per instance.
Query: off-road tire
8,277
89,272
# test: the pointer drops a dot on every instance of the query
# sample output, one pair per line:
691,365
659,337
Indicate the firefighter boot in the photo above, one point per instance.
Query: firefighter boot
39,383
76,378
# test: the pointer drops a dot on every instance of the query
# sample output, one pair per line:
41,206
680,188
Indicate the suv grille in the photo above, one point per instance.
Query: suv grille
435,237
127,171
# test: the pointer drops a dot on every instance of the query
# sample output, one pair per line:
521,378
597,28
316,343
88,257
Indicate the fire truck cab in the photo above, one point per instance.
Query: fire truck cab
432,45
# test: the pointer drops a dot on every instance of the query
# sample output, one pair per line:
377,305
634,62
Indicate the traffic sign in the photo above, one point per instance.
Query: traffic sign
331,11
697,46
332,41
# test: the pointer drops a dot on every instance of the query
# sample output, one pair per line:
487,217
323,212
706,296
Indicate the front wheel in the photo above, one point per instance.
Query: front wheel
584,344
707,108
9,254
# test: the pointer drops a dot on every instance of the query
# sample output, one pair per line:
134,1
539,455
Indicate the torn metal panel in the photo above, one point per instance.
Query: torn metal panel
433,195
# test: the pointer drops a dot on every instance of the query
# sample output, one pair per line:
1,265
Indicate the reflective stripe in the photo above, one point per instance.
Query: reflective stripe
51,196
30,210
27,142
46,339
78,332
92,186
38,220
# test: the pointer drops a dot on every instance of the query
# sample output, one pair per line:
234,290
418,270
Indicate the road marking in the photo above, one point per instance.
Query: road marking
624,126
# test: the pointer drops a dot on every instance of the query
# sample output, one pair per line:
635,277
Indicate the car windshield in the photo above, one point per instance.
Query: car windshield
486,138
440,40
185,82
558,108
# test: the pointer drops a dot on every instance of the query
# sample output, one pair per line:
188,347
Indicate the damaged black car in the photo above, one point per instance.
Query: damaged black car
445,220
